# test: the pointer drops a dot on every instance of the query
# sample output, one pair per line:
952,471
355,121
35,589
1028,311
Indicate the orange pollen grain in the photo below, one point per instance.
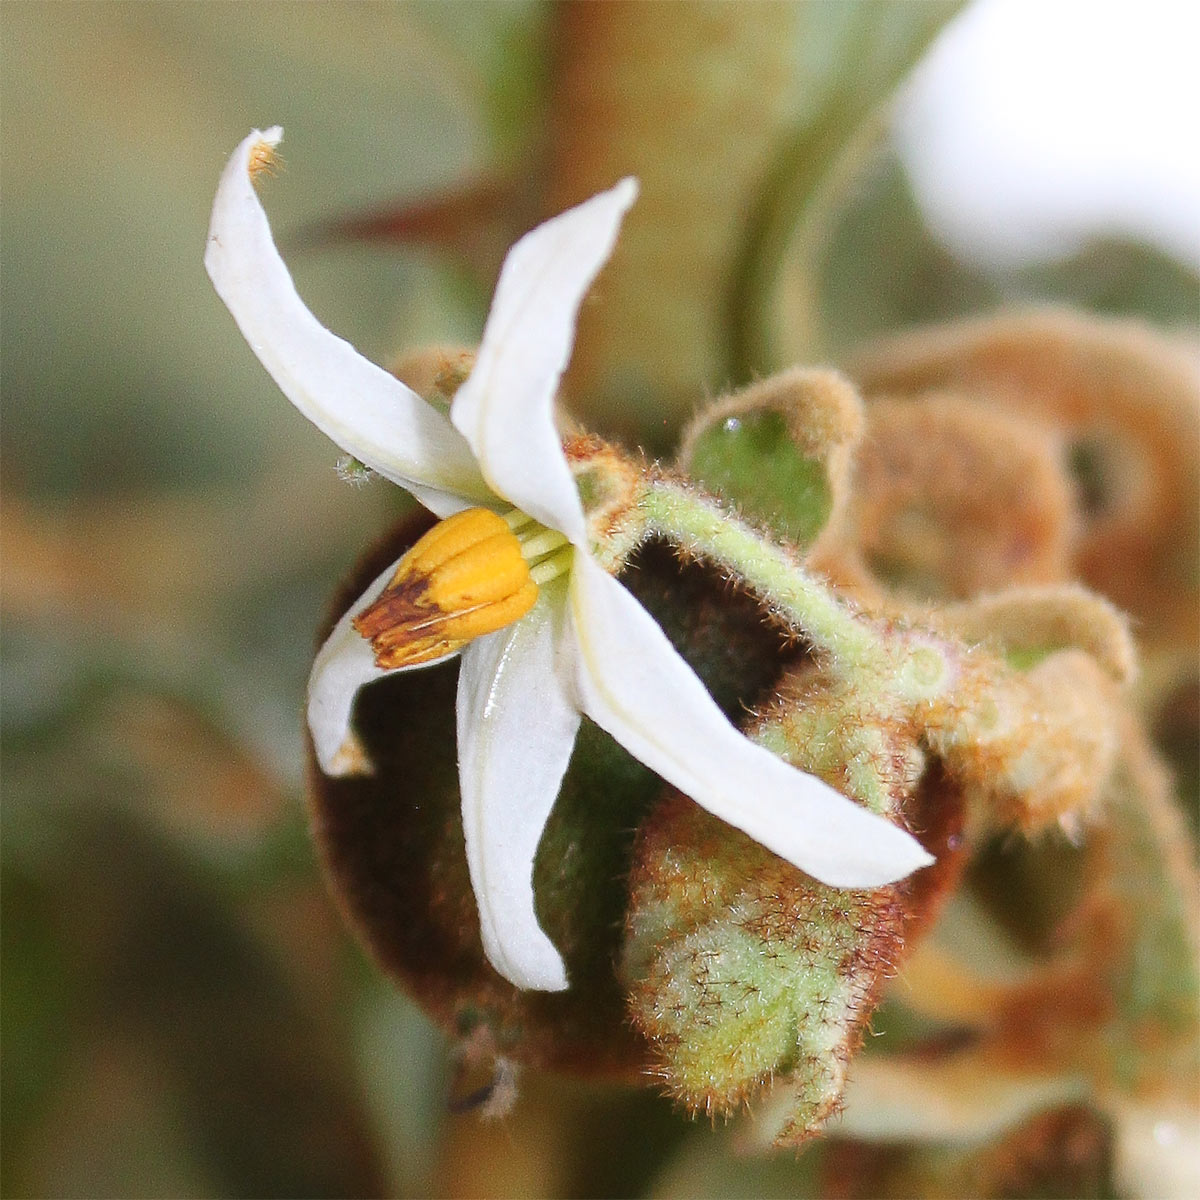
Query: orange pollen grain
465,578
264,159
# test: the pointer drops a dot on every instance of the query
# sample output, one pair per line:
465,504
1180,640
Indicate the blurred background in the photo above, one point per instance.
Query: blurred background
183,1013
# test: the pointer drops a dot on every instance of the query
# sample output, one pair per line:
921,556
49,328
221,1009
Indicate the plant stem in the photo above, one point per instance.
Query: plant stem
805,602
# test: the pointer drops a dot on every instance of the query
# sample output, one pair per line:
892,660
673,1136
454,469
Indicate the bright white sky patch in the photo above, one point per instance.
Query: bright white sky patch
1034,123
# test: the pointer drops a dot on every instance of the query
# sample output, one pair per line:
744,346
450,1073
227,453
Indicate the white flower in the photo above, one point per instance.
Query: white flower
586,646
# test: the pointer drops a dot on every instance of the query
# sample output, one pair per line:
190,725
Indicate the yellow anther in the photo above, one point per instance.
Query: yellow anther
466,577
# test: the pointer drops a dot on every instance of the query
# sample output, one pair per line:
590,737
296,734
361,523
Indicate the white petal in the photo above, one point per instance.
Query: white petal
345,663
506,408
634,685
366,411
516,729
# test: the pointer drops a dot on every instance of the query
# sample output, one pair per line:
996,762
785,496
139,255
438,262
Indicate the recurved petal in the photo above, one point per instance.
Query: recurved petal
516,729
633,684
505,409
345,663
359,405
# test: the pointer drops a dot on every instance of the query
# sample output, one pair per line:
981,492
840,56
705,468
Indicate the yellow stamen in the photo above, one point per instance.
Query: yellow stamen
540,543
515,519
552,567
466,577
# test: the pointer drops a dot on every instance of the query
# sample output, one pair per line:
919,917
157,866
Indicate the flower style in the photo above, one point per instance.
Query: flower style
583,645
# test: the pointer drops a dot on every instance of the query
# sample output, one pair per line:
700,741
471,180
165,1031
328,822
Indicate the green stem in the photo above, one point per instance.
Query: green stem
701,526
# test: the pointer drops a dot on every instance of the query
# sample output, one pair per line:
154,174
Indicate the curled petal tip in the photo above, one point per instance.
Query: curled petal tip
516,730
349,759
854,847
505,409
900,855
260,154
626,190
366,411
531,964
